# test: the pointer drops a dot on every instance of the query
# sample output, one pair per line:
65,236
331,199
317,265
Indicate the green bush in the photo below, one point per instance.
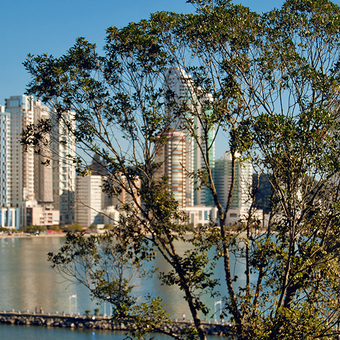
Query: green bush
74,228
54,228
35,228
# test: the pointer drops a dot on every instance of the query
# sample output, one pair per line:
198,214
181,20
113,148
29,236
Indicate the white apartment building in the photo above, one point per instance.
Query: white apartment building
185,93
241,199
9,217
22,167
64,171
171,160
89,200
43,180
42,215
111,215
22,114
29,175
5,158
204,216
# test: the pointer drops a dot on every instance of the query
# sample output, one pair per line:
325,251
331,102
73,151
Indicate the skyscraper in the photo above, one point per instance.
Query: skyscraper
22,169
29,175
171,158
43,179
5,158
185,94
64,170
89,200
241,198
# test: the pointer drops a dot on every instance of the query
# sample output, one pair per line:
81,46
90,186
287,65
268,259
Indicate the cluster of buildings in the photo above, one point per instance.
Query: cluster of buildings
182,155
35,188
43,189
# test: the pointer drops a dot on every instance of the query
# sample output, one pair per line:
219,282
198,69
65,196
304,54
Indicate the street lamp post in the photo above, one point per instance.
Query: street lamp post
74,296
217,303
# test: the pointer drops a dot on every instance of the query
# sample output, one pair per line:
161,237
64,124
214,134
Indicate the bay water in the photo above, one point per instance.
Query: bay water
27,282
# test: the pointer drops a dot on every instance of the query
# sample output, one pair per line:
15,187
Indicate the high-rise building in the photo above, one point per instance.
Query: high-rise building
29,174
241,198
97,167
21,110
171,160
30,180
22,114
126,193
64,170
185,94
43,180
5,159
89,200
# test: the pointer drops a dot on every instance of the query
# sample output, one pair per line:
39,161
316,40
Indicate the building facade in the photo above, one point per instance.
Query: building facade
63,149
40,177
22,114
5,159
9,217
186,95
43,179
89,200
170,158
241,198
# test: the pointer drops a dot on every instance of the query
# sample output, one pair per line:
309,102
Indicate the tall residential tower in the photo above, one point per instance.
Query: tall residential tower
171,160
185,94
241,198
64,170
5,159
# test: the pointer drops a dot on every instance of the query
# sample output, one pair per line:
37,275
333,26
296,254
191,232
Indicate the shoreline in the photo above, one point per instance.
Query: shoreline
102,322
25,235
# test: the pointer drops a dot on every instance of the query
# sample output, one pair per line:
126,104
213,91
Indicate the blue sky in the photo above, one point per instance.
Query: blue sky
38,27
52,27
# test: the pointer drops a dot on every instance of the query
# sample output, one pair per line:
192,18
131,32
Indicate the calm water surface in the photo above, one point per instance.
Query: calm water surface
10,332
27,282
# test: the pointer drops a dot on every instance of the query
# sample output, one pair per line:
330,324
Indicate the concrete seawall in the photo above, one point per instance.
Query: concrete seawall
98,322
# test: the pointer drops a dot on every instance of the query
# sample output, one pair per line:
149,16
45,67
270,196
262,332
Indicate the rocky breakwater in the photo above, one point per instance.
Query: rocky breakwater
98,322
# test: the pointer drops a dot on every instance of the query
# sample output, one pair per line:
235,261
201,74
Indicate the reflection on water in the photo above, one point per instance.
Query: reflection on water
34,333
27,281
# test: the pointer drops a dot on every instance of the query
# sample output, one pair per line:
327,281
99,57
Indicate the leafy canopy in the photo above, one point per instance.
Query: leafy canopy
272,80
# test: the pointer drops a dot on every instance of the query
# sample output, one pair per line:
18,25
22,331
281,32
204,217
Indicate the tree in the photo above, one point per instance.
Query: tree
35,228
74,228
270,83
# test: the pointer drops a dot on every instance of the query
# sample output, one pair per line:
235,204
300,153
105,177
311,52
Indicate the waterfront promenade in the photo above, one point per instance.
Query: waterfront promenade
100,322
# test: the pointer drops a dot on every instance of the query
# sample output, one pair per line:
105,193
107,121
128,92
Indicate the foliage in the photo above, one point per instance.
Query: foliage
54,227
270,84
74,228
108,227
35,228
